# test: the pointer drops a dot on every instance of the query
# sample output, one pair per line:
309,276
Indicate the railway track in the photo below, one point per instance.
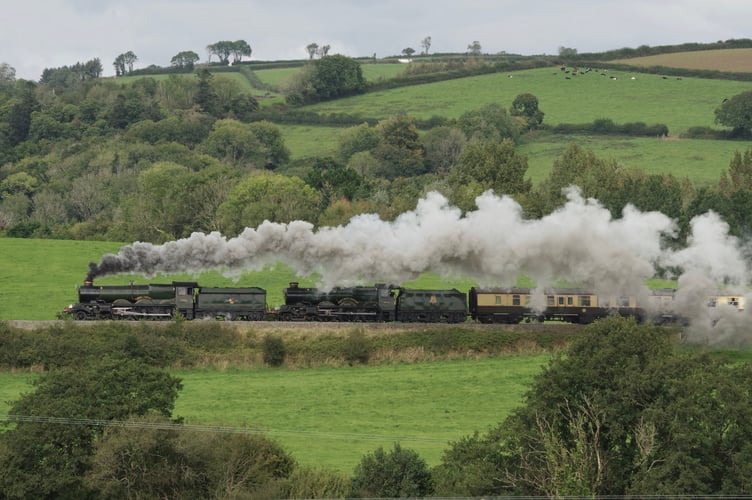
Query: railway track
293,325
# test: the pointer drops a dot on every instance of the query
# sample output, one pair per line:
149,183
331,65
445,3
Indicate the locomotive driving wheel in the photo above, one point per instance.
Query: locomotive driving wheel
80,315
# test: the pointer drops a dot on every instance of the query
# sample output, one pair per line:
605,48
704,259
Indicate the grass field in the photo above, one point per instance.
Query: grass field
371,73
699,160
331,417
733,60
677,103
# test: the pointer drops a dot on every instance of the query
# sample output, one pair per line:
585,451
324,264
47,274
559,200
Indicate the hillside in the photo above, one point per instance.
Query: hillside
114,159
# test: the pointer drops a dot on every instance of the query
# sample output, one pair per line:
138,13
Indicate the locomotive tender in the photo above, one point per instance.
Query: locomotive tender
377,303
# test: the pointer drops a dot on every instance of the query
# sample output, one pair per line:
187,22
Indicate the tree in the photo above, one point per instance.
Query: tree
443,146
399,152
474,48
426,44
526,106
185,60
324,50
225,48
240,49
206,98
470,466
395,474
231,99
21,110
739,176
267,196
235,143
299,87
408,51
596,177
736,113
489,123
624,412
165,461
271,138
488,165
7,74
312,49
337,76
567,52
124,63
41,459
334,181
69,77
356,139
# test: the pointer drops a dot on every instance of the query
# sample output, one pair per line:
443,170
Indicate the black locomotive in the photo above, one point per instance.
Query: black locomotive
164,301
373,303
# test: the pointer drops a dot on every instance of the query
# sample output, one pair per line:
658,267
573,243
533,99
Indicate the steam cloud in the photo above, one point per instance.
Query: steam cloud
492,245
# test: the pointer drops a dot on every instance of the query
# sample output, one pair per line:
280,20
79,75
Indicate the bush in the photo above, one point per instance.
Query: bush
307,482
395,474
356,348
274,350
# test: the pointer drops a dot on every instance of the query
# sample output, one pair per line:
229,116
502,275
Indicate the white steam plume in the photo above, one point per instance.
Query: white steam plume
493,245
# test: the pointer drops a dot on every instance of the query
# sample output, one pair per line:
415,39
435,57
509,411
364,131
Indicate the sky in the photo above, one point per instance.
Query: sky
39,34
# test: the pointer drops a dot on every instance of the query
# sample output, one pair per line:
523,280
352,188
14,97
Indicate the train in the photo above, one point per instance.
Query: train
192,301
377,303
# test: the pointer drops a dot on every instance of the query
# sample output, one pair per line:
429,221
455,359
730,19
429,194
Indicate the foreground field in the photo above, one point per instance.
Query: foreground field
331,417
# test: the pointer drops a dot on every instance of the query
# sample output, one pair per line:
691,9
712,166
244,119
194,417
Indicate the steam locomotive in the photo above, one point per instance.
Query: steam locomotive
377,303
192,301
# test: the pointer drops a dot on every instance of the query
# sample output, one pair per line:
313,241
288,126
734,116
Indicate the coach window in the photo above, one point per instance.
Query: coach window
570,301
498,299
561,301
515,300
527,300
550,300
585,300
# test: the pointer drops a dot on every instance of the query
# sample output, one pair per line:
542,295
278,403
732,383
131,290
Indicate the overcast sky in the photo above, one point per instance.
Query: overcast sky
38,34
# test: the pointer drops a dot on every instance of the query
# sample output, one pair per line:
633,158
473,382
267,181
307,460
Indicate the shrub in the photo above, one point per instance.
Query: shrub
395,474
307,482
356,348
274,350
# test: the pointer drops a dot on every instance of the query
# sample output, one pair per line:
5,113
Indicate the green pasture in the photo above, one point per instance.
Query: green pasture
371,73
331,417
699,160
677,103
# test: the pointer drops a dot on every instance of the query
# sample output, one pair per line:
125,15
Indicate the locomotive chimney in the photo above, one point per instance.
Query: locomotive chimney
88,282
